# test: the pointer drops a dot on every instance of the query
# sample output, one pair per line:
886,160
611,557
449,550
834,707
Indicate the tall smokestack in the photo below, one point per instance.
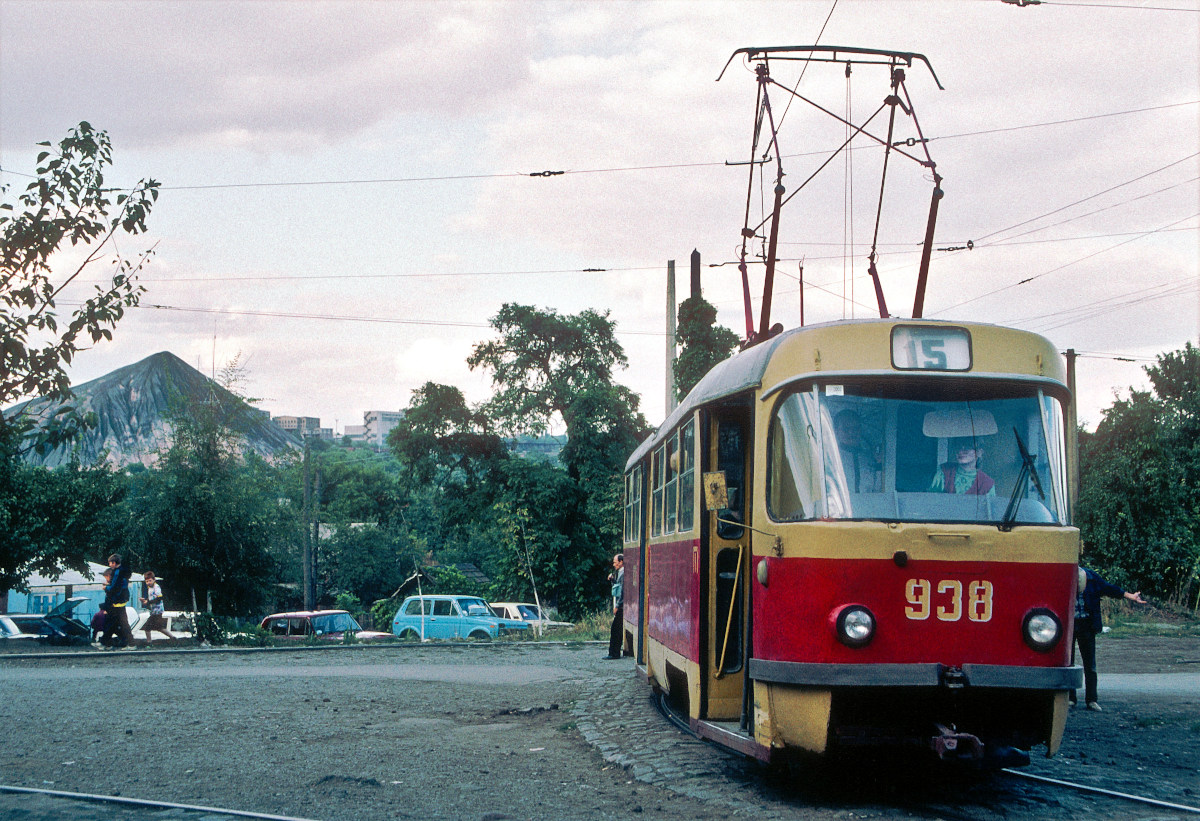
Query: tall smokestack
695,273
671,400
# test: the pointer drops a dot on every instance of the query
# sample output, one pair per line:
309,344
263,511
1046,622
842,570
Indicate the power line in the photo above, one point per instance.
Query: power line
1191,156
1065,265
343,318
604,170
1117,357
1111,6
423,275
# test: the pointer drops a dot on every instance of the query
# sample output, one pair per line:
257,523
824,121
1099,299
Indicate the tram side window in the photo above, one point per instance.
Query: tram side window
671,491
731,459
657,479
729,610
687,476
633,505
793,475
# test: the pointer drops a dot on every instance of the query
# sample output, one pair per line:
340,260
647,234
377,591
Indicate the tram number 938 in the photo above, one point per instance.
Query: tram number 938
948,599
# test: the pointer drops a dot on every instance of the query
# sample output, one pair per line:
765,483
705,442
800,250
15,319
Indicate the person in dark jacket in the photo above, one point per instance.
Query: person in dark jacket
1088,625
616,630
98,619
116,597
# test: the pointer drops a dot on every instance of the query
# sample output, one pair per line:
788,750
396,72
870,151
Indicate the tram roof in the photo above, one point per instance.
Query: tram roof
745,370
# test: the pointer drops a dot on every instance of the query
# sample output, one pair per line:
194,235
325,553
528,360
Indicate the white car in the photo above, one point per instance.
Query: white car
179,626
529,613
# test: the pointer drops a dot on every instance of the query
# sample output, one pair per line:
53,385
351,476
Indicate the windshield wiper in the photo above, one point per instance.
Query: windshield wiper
1028,471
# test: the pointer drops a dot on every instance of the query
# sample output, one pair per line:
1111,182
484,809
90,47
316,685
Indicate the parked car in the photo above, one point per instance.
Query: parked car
11,632
452,617
324,624
180,626
538,619
59,626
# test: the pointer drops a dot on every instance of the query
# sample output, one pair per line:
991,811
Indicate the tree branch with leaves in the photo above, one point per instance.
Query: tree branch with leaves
67,205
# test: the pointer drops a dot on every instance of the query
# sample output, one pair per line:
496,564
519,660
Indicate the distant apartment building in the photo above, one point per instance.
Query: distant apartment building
379,424
302,426
355,433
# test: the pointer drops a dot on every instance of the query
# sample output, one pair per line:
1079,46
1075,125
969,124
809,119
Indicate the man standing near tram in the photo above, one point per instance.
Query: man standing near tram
617,577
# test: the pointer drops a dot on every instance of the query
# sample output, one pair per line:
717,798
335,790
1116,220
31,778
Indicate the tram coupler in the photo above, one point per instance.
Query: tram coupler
950,744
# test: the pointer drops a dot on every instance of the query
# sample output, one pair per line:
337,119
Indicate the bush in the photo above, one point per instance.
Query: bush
383,611
348,602
252,636
206,629
592,628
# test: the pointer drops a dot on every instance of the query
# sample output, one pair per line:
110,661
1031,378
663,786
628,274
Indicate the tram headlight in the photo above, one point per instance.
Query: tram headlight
854,625
1041,629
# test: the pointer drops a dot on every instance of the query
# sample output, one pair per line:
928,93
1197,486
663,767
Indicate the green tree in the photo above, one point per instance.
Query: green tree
54,519
703,343
1139,501
367,561
442,441
208,518
546,368
67,205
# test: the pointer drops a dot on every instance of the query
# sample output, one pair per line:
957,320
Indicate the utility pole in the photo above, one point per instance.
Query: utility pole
671,400
306,560
316,530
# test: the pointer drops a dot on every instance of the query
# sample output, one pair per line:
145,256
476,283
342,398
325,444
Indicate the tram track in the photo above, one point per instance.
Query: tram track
146,803
1072,785
664,708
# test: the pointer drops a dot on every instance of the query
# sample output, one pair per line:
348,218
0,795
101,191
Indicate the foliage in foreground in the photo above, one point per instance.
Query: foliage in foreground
65,207
1139,505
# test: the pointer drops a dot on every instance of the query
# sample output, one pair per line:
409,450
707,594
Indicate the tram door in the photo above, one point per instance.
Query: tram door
726,559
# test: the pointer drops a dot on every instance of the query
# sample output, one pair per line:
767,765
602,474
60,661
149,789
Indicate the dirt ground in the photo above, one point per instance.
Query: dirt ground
1144,744
494,733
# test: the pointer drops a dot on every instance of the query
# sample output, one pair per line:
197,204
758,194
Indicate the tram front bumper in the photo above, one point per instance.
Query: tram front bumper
807,674
808,706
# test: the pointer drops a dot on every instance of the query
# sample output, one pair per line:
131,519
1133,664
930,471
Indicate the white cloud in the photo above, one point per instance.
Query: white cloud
202,93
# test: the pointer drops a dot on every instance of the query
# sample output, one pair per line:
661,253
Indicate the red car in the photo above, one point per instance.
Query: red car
324,624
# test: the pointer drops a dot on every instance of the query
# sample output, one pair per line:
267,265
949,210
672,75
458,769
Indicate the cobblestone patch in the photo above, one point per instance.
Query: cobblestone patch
615,713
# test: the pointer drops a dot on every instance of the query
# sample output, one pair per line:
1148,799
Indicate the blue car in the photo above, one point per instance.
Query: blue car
451,617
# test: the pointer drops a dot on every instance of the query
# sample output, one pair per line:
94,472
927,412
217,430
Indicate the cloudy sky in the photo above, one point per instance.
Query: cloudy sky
347,192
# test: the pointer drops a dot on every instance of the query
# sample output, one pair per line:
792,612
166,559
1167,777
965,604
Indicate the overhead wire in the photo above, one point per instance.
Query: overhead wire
800,79
1063,266
1121,6
608,169
1082,200
334,317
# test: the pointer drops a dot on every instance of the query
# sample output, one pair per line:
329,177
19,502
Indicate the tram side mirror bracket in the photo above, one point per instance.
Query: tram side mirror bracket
716,492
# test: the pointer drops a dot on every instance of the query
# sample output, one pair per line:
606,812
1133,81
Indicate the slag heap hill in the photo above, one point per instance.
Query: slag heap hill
134,406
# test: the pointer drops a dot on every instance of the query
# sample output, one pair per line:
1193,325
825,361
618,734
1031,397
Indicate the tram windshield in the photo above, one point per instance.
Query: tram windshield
920,451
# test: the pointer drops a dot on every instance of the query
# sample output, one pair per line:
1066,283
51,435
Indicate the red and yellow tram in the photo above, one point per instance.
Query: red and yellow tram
857,534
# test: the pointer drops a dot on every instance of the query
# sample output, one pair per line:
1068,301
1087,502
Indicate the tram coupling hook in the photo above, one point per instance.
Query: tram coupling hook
950,744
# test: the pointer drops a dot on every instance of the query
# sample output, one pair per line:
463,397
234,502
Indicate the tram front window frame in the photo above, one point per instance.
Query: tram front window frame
972,450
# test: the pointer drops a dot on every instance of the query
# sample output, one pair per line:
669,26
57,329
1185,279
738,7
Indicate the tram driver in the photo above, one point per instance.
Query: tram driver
962,473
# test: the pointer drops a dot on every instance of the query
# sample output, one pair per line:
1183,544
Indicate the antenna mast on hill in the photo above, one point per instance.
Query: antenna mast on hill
766,136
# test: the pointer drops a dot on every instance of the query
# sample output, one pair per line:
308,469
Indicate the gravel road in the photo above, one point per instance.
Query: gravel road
502,731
